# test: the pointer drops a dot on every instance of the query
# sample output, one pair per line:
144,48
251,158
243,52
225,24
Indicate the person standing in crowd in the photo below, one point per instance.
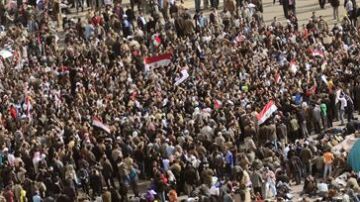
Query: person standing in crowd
343,105
317,120
292,6
270,182
257,182
351,10
197,5
328,157
349,108
356,96
335,5
126,26
302,119
322,4
297,168
324,114
282,132
229,162
96,183
306,156
286,7
107,172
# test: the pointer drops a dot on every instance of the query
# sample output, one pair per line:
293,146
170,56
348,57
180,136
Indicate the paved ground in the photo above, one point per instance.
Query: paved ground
304,9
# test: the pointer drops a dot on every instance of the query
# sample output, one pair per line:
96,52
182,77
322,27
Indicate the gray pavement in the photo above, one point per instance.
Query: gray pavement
304,9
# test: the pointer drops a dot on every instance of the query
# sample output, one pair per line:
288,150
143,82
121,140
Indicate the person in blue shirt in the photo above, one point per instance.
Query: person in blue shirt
89,31
229,160
37,197
127,27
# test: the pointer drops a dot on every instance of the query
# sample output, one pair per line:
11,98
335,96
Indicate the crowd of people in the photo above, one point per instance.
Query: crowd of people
85,116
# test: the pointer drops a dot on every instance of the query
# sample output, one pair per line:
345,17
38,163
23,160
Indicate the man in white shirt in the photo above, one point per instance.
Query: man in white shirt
349,7
343,105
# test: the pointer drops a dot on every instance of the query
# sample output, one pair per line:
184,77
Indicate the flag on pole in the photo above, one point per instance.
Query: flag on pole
99,124
157,61
184,76
266,112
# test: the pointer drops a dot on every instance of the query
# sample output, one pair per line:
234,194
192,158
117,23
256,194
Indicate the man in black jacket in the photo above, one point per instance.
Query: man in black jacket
335,5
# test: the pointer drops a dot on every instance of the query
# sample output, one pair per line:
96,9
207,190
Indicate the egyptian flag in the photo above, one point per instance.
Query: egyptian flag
266,112
217,104
156,40
317,53
311,90
157,61
63,70
96,122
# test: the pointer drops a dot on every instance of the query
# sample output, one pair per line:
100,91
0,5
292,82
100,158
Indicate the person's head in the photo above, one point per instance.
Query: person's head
173,196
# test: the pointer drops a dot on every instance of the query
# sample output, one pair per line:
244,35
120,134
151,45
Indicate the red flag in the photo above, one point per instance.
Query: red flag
311,90
316,52
99,124
157,40
159,60
266,112
217,104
